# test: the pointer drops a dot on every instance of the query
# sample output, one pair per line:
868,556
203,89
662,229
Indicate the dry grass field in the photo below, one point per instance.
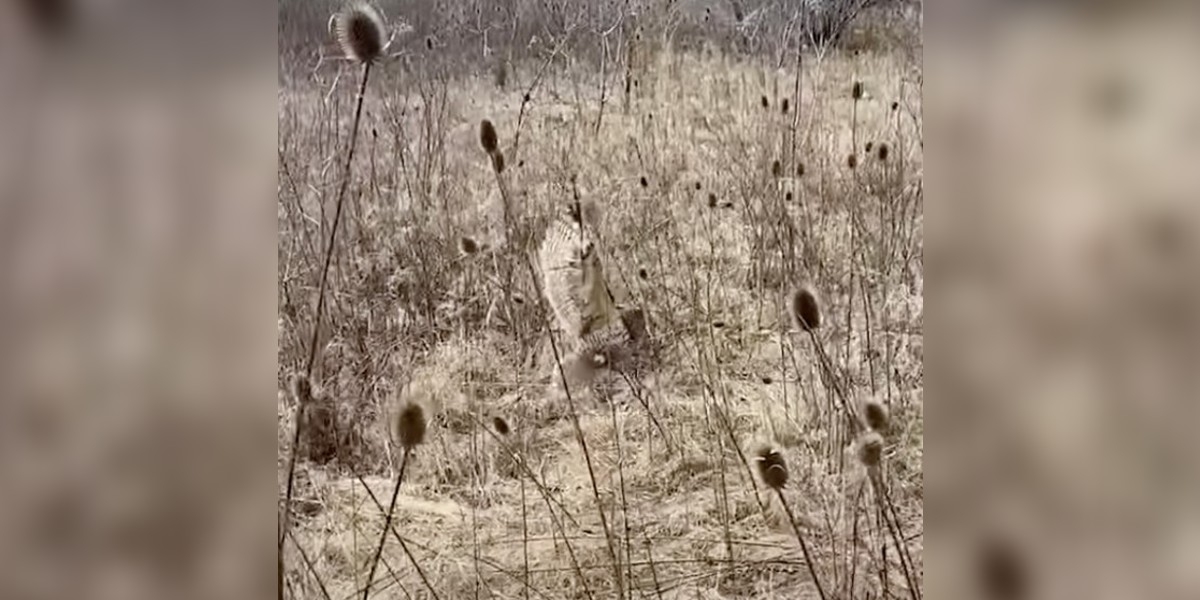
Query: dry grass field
718,186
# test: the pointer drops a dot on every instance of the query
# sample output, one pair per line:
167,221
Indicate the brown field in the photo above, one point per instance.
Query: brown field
638,486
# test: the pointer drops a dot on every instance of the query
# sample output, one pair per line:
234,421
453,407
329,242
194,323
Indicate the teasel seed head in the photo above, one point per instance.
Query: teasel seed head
772,468
301,389
870,449
698,186
800,170
869,147
712,200
883,152
895,106
856,91
875,414
766,103
805,308
788,196
487,136
500,425
360,32
852,161
410,425
644,181
467,245
776,169
783,106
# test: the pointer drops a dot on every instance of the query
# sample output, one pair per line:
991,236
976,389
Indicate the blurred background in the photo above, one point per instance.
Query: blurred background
136,299
1063,200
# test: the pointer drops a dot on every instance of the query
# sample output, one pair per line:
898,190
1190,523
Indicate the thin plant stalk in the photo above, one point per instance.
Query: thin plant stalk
312,349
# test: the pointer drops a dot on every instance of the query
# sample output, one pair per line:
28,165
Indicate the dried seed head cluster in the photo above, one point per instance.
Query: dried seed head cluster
712,200
852,161
800,170
876,414
870,449
783,106
805,308
856,91
883,152
467,245
301,389
772,469
410,425
776,169
487,137
500,425
360,32
766,103
870,146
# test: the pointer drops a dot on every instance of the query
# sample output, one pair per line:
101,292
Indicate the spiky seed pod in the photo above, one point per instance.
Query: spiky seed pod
788,196
429,43
643,274
852,161
301,389
771,467
766,379
776,169
500,425
518,298
498,161
712,200
766,103
718,324
410,425
467,245
644,181
876,414
487,136
805,308
800,170
870,449
869,147
895,106
698,186
856,91
360,32
783,106
883,152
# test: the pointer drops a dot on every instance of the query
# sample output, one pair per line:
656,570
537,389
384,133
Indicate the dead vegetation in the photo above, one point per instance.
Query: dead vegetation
751,287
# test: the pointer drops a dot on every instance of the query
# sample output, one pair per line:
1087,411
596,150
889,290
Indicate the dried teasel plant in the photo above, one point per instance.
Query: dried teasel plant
408,428
875,414
359,30
500,425
468,246
487,137
773,471
805,307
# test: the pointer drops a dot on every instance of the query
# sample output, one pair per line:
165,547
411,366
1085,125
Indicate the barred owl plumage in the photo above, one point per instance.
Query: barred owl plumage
573,279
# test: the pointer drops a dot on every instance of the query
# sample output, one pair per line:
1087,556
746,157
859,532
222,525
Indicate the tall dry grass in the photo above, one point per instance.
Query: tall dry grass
714,204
